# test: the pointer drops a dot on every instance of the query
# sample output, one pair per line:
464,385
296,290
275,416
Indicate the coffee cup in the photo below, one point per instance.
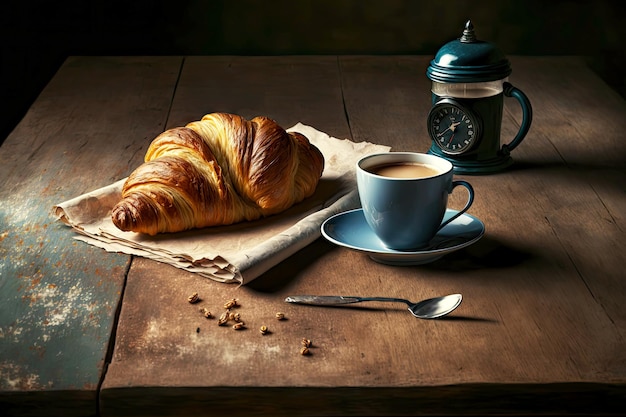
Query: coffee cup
404,196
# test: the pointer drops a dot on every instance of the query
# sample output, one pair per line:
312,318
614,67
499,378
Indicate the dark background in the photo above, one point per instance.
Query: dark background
38,35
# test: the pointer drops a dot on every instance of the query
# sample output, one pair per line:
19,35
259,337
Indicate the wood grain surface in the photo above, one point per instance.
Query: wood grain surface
60,297
541,329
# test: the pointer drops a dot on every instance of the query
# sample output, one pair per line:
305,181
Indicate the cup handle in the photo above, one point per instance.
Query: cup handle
527,116
470,200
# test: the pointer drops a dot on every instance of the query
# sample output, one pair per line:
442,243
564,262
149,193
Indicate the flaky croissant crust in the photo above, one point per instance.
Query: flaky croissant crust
220,170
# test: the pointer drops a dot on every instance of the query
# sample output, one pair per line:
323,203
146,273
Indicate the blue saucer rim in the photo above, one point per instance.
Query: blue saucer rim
432,252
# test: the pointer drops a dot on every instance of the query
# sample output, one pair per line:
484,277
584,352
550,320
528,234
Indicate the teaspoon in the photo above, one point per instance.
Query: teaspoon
431,308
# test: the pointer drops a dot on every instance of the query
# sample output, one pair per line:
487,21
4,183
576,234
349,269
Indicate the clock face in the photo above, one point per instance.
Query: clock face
452,127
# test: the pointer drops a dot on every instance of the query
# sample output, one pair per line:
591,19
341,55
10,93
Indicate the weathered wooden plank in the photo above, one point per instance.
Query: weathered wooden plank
388,99
485,399
521,208
60,297
581,188
287,90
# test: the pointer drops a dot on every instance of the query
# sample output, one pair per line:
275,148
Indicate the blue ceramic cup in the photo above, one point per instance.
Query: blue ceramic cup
404,196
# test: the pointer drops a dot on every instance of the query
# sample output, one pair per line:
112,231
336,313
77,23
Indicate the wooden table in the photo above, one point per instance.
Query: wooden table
542,327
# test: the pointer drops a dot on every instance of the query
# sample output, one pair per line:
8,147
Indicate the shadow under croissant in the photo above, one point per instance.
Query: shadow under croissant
282,274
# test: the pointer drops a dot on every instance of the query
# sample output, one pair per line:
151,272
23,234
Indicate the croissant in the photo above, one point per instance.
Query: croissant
220,170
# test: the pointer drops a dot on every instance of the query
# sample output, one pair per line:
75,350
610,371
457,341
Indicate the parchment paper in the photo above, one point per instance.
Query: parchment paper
231,254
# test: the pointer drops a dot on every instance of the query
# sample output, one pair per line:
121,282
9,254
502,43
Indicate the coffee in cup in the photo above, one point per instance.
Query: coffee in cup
404,196
404,170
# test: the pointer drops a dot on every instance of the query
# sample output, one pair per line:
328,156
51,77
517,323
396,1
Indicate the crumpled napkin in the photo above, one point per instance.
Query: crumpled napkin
236,253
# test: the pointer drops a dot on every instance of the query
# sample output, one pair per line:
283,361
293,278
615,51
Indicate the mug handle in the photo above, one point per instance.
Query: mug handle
527,116
470,200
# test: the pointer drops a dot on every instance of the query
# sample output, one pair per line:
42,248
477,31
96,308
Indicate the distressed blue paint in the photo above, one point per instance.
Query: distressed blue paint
58,303
58,296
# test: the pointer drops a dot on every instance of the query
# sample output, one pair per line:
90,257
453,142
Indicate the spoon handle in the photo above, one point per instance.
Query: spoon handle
336,299
321,299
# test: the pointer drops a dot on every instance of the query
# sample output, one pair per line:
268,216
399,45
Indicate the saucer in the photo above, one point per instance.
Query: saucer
349,229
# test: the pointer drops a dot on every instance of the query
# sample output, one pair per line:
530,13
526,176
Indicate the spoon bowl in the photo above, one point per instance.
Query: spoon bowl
435,307
431,308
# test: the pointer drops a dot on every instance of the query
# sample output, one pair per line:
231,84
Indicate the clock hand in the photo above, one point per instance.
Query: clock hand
441,133
452,127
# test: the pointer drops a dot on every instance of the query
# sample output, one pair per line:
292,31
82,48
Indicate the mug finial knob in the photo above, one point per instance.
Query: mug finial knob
468,33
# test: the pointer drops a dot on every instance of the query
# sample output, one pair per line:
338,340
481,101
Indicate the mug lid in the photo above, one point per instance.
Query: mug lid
468,60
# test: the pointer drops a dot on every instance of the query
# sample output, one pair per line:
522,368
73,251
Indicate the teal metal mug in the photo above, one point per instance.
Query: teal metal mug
485,101
471,77
527,117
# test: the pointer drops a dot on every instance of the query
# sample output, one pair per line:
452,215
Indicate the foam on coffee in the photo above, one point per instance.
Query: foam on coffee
404,170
